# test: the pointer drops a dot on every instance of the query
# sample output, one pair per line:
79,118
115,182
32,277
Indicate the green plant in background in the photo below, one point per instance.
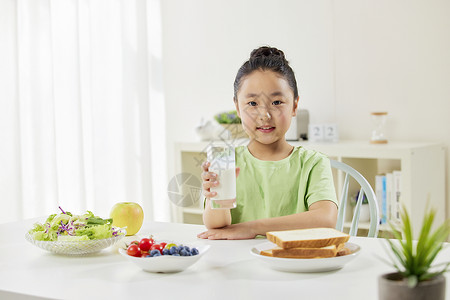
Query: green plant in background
229,117
355,199
413,259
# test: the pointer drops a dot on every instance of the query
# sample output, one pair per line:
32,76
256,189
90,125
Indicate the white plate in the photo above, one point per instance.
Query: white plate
166,263
305,265
75,247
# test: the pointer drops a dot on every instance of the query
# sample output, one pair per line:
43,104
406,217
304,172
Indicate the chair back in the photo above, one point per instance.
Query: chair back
365,189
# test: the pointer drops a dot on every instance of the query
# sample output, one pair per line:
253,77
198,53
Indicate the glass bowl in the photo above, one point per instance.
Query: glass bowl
75,247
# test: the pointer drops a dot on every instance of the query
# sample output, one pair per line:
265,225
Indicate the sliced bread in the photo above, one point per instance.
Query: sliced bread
323,252
307,238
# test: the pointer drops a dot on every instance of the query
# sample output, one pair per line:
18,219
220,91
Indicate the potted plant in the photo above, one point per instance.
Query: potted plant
231,121
415,278
364,213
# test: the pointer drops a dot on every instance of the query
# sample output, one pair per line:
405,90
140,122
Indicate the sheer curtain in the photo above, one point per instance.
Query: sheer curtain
81,107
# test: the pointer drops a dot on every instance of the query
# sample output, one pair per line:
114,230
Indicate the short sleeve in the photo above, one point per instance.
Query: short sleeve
320,182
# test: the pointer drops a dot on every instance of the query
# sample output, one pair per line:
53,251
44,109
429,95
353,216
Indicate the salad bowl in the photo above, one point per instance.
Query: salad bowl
75,247
69,234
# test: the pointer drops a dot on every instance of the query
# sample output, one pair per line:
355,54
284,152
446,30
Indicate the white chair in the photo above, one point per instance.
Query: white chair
367,190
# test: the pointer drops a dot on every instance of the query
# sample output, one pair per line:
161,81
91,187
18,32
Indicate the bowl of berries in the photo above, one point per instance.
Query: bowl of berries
162,256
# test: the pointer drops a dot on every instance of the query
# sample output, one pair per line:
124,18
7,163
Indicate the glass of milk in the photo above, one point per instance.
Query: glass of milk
222,162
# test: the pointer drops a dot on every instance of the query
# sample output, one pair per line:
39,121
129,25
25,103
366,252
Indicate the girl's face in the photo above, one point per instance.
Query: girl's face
266,104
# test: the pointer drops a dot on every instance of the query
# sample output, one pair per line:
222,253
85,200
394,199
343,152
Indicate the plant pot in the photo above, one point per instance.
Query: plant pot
236,130
392,287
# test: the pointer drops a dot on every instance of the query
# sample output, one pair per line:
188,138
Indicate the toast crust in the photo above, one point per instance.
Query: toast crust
324,252
306,253
319,242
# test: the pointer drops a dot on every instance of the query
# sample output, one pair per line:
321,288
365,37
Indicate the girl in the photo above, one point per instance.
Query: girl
279,186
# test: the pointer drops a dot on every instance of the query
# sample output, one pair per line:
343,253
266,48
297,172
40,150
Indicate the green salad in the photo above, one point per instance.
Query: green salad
68,227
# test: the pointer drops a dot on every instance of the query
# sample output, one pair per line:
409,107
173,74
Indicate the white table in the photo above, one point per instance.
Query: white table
226,271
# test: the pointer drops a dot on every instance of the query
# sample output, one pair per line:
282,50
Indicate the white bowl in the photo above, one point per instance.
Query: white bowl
74,247
308,265
166,263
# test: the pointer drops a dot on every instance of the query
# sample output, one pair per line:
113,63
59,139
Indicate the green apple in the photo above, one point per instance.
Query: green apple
129,215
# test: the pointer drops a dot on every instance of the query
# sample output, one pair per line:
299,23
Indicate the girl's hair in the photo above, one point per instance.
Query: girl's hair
266,58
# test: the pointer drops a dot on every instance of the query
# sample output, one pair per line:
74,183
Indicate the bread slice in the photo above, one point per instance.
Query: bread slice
328,251
307,238
344,251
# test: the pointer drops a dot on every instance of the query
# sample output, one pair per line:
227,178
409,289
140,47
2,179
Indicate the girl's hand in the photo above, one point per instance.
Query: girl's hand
240,231
209,180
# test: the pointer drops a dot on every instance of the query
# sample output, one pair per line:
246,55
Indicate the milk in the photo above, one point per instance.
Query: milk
226,190
222,162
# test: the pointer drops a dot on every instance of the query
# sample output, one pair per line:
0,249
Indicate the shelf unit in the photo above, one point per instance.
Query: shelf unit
422,166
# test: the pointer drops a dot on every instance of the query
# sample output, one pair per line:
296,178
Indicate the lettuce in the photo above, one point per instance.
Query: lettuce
88,214
50,218
57,220
68,227
39,233
40,236
98,221
96,232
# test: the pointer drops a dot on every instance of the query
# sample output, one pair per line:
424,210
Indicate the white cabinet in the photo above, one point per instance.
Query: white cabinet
422,166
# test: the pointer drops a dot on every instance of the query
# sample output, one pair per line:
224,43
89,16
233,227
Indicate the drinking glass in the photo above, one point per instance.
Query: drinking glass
222,162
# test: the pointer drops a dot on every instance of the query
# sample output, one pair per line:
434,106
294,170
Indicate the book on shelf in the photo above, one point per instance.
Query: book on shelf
397,194
389,203
380,192
388,193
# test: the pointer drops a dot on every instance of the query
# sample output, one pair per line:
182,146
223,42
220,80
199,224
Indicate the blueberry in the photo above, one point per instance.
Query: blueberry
154,252
194,251
187,249
183,252
173,250
166,252
157,254
176,254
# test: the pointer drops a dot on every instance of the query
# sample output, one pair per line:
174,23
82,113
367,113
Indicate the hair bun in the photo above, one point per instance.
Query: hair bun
266,51
266,59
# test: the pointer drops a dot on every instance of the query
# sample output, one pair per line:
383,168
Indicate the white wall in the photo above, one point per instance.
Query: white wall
351,57
394,56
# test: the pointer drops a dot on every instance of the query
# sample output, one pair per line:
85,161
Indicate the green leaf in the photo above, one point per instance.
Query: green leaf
229,117
412,281
423,244
414,259
50,218
391,257
98,221
398,253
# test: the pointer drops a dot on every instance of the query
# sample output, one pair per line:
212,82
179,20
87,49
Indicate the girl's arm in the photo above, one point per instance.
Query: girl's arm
320,214
213,218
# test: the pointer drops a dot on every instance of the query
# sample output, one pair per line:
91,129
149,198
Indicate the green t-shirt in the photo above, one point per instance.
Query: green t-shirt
266,189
